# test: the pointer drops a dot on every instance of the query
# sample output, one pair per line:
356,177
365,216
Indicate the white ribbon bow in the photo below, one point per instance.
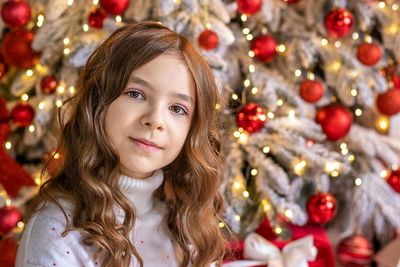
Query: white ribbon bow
260,252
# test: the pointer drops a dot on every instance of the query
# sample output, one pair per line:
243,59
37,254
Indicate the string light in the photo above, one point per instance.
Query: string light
70,2
221,225
383,123
353,92
254,172
85,27
29,73
351,158
310,76
324,42
338,44
246,194
355,35
282,48
58,103
95,2
335,174
279,102
297,73
237,218
368,39
31,128
235,97
358,112
41,105
358,181
254,90
395,7
118,19
66,51
40,20
266,206
384,173
20,225
395,167
38,180
332,166
251,53
299,167
289,214
236,134
217,106
271,115
249,37
266,149
335,65
246,83
24,97
8,145
66,40
243,17
252,68
246,30
278,230
72,90
244,138
382,4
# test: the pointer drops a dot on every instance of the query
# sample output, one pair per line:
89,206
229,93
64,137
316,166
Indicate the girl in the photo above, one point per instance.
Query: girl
142,168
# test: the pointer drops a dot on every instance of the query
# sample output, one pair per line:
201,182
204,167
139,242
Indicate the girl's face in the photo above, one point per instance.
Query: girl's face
148,123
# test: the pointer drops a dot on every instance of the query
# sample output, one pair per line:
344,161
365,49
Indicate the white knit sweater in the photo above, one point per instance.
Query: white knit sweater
43,245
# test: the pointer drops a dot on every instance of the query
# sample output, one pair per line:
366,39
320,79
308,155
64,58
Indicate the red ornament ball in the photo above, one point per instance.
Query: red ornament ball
355,251
16,13
369,53
394,180
48,84
22,114
339,22
3,67
396,81
208,40
311,90
335,120
248,7
114,7
251,118
321,208
264,48
9,217
388,102
16,49
8,252
96,18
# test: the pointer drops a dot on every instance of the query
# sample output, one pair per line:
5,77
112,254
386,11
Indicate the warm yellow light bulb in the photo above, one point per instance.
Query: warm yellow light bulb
237,218
235,97
282,48
7,145
324,42
29,73
118,19
243,17
355,35
358,112
24,97
31,128
254,90
271,115
358,181
253,172
297,73
246,31
246,194
266,149
251,53
252,68
217,106
246,83
221,225
85,27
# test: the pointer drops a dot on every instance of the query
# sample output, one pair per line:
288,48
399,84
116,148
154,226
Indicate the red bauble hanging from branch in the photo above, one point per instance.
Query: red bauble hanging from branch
48,84
114,7
355,251
321,208
248,7
311,90
251,118
388,102
369,53
22,114
16,49
335,121
96,18
394,180
264,48
16,13
9,218
208,40
339,22
8,252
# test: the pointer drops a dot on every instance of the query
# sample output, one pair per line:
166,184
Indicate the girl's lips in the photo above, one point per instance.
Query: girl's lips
145,145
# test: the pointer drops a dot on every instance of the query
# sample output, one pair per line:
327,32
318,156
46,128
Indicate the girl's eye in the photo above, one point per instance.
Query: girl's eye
178,110
135,94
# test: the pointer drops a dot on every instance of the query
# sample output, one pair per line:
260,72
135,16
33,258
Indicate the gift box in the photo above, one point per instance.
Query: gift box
324,258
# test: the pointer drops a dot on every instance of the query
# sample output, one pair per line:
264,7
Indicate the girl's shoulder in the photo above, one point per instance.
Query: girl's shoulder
43,242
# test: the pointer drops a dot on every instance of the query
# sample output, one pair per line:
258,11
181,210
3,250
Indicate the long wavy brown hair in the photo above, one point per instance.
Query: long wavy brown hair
89,174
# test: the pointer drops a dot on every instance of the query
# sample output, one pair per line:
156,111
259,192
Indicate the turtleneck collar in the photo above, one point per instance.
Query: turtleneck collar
140,191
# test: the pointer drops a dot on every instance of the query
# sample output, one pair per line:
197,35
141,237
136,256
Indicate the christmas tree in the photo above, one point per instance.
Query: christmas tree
310,106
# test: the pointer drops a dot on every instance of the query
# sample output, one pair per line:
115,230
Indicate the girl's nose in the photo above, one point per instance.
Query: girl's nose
153,119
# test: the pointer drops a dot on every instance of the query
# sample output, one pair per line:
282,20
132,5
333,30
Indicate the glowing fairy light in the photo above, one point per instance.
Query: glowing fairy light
251,53
40,20
358,181
237,218
217,106
8,145
95,2
252,68
70,2
246,83
221,225
368,39
236,134
351,158
249,37
66,40
384,173
395,7
271,115
254,90
355,35
243,17
60,89
85,27
31,128
324,42
299,167
246,31
266,149
311,76
289,214
235,97
279,102
29,73
58,103
338,44
358,112
291,114
383,123
118,19
67,51
282,48
382,4
24,97
266,206
246,194
277,230
72,90
297,73
354,92
254,172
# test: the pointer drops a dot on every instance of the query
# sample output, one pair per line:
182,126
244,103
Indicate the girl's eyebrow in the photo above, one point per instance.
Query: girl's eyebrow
183,97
